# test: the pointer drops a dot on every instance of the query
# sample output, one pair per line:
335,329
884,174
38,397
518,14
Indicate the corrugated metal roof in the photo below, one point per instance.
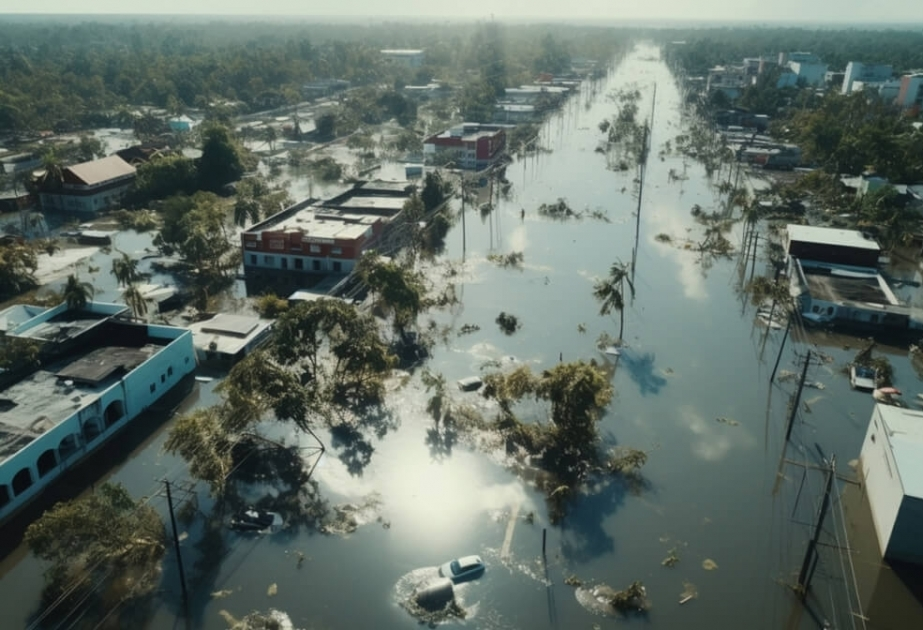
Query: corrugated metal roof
104,170
904,429
831,236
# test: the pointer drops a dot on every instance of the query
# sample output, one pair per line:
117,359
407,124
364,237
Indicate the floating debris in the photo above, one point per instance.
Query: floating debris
467,329
727,421
709,565
816,385
690,592
573,580
671,560
513,259
273,590
222,593
785,376
508,323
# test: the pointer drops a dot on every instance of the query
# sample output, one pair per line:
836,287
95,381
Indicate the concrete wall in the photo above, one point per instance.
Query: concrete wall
85,204
906,542
881,480
309,264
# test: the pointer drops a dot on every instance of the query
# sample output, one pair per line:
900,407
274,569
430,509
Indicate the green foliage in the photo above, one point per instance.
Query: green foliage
435,190
325,126
18,353
508,323
610,292
164,176
257,200
271,306
223,160
397,289
18,264
76,293
326,169
99,538
196,227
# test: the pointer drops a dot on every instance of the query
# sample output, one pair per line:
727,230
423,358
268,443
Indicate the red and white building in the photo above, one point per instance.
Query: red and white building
326,236
471,146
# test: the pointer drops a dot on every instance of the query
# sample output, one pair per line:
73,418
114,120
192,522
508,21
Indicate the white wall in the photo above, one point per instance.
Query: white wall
881,480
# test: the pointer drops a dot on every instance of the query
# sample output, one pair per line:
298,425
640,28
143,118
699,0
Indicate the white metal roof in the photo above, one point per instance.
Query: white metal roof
104,170
904,429
830,236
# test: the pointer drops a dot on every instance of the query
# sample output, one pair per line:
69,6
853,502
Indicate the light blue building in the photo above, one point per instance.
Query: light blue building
100,370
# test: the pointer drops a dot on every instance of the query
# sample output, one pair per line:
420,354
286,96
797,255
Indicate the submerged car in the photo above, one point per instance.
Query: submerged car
862,377
253,520
463,569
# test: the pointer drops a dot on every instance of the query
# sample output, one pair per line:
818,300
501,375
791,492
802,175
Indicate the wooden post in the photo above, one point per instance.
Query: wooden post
179,555
810,559
781,348
791,415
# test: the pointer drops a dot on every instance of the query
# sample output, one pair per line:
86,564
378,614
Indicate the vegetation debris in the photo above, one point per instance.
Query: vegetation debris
508,323
709,565
728,421
671,560
513,259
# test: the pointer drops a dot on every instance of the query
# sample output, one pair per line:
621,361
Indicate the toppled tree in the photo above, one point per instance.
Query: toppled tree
102,551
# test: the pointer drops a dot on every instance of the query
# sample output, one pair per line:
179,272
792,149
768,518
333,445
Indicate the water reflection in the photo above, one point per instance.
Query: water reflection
640,368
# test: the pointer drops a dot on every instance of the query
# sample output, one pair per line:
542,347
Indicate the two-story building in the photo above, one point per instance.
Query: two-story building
91,187
407,57
99,372
471,146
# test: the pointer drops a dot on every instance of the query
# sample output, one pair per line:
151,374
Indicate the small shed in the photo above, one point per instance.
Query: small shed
892,475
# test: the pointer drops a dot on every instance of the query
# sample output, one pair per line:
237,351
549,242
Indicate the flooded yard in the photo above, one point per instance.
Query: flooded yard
691,389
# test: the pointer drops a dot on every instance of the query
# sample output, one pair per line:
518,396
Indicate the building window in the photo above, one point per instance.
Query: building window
153,387
163,378
284,263
252,259
336,250
337,265
315,249
269,260
316,265
170,371
299,263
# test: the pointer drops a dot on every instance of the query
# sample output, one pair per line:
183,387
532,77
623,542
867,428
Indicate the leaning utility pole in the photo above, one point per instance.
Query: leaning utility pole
179,555
788,327
797,401
810,555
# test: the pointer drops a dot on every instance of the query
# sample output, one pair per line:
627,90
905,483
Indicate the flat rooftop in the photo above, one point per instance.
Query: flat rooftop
41,401
389,203
63,326
904,428
830,236
319,222
837,287
227,334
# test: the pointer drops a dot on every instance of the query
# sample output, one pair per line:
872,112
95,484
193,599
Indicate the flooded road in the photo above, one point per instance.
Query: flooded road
694,356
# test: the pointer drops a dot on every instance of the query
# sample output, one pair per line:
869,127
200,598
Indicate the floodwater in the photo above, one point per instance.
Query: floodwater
694,355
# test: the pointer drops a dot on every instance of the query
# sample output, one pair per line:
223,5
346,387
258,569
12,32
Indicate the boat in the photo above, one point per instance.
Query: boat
254,520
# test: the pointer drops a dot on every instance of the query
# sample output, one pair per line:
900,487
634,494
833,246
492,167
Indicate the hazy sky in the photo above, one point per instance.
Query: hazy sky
890,11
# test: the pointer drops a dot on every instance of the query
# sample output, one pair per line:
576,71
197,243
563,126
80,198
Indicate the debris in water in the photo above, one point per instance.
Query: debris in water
853,463
671,560
668,371
273,590
785,376
513,259
709,565
816,385
222,593
727,421
467,329
689,592
508,323
573,580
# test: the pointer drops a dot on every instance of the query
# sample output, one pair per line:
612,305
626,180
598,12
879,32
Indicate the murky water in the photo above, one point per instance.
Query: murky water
694,356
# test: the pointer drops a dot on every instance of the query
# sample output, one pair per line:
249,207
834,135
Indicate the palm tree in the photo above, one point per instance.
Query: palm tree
610,292
76,293
53,177
125,270
135,301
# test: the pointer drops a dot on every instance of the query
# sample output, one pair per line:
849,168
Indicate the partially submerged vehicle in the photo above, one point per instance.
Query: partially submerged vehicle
254,520
862,377
470,384
463,569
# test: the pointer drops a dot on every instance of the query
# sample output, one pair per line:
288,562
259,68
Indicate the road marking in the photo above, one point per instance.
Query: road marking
508,539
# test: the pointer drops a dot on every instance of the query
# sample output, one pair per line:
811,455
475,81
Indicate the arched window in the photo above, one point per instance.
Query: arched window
114,412
68,446
22,481
46,462
90,431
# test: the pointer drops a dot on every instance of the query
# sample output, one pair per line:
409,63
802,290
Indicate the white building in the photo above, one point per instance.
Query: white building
810,73
409,58
728,79
228,338
91,187
866,73
891,464
98,373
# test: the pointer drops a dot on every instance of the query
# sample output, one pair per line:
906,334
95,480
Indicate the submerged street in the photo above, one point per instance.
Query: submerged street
691,389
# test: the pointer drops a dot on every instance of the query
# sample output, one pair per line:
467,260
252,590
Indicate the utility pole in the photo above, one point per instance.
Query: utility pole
179,555
755,247
788,327
810,555
461,183
794,410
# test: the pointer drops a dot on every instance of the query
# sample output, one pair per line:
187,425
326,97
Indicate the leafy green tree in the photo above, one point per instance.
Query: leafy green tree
257,199
610,292
163,176
90,148
223,160
435,191
76,293
125,270
18,264
397,289
52,177
101,539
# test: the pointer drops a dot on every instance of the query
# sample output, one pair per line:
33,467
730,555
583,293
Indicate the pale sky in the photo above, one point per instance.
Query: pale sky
795,11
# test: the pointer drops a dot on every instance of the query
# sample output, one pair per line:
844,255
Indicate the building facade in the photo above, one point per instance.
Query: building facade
409,58
866,73
91,187
102,372
891,464
910,92
471,146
